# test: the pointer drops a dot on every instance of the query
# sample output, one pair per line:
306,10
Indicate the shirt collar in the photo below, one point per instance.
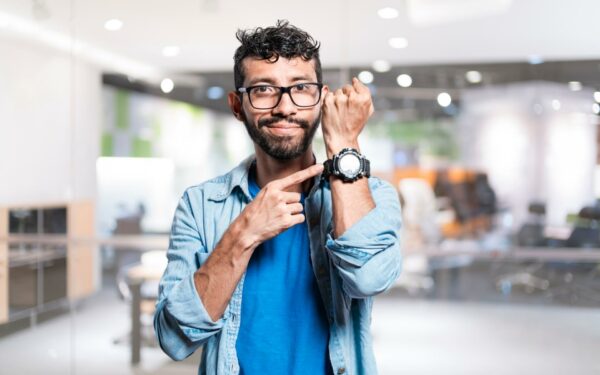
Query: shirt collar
238,176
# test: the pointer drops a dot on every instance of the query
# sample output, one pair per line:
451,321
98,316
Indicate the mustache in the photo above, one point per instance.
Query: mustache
273,120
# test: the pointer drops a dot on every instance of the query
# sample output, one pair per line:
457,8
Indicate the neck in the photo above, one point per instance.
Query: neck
269,168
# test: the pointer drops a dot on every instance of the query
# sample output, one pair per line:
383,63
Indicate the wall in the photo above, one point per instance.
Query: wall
50,124
50,115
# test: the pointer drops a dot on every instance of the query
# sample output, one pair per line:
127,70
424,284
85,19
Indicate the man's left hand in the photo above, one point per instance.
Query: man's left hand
345,114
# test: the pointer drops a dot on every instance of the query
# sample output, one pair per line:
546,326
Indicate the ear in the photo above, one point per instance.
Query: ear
235,104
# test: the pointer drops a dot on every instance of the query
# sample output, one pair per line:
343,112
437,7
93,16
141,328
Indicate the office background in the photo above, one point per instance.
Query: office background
486,116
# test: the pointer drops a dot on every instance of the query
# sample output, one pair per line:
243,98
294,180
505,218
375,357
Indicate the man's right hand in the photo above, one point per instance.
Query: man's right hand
274,209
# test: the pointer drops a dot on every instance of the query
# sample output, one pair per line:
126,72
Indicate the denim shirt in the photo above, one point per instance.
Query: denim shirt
362,262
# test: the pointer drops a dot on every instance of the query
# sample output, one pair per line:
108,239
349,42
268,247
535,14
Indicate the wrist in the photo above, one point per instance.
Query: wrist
241,236
333,148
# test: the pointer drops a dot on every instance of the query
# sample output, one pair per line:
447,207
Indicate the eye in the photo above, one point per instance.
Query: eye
263,89
300,87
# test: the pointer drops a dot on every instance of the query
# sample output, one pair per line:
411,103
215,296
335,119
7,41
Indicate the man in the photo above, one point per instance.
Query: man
272,266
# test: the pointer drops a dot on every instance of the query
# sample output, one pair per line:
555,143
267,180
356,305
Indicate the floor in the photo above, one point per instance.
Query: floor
421,337
411,336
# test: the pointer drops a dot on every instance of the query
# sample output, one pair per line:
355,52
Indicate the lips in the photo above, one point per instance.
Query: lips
274,122
279,126
283,129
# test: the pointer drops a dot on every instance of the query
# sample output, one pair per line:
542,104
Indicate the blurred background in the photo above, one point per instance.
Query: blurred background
486,122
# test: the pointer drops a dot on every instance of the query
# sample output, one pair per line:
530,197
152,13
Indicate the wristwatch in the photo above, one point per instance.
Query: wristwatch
349,165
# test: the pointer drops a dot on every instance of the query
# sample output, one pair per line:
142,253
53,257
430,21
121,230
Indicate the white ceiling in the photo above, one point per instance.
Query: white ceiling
352,34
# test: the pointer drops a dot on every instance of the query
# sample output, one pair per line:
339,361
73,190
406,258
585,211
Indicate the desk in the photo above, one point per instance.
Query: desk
136,276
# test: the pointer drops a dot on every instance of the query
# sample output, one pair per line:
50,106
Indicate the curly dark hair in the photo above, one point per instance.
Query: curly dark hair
270,43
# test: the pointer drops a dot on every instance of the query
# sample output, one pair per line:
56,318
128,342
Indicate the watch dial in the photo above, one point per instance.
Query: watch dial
349,165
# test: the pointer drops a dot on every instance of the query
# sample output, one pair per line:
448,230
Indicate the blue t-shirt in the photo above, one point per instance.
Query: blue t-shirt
283,326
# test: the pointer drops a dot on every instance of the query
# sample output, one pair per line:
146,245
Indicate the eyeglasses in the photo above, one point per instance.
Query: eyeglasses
268,96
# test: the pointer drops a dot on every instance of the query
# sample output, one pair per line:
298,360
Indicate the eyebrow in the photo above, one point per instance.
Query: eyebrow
270,81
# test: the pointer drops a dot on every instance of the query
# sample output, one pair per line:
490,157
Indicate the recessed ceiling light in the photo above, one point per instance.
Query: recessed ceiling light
167,85
170,51
597,96
215,92
535,59
388,13
575,86
365,76
404,80
556,104
398,42
381,66
113,24
444,99
473,76
596,108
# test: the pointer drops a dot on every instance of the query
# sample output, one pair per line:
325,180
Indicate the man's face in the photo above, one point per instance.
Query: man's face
286,131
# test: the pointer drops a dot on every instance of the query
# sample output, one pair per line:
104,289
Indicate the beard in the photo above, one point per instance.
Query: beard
282,147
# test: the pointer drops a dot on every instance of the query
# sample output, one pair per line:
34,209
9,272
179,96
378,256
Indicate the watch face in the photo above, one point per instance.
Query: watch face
349,165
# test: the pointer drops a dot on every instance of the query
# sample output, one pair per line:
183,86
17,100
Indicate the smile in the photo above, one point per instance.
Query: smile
283,129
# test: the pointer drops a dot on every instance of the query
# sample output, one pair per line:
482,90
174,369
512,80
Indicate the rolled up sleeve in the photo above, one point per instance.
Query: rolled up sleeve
367,255
181,321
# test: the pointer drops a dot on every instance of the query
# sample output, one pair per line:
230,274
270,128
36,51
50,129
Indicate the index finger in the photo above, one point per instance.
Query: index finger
300,176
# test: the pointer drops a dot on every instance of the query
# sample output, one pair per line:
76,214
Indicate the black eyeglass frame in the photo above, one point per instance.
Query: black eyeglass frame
282,90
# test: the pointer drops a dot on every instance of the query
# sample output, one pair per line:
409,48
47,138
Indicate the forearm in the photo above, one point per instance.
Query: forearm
350,201
367,256
217,278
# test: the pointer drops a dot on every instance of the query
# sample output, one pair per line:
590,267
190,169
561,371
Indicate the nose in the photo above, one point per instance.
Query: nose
285,107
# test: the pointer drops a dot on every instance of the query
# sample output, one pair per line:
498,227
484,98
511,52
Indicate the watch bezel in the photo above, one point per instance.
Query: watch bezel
344,153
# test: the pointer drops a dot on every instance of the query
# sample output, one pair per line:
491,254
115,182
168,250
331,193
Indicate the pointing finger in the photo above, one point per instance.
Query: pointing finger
300,176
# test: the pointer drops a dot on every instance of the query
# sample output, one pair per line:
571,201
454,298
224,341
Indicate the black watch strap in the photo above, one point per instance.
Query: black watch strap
327,168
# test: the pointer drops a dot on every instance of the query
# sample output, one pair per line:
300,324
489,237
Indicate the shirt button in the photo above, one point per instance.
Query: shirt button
341,370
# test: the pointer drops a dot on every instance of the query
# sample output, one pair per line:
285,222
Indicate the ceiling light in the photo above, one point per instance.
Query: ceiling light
473,76
575,86
596,108
170,51
535,59
381,66
597,96
215,92
404,80
167,85
556,104
444,99
365,76
113,24
398,42
387,13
